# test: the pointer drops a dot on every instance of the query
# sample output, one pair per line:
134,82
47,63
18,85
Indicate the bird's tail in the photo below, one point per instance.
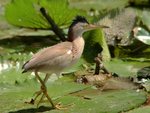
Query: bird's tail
23,67
24,71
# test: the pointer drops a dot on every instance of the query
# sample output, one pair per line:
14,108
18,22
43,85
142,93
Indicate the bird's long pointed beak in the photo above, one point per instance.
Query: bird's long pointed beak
92,26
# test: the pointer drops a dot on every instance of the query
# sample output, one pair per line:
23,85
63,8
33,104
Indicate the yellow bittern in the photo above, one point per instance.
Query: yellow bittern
56,58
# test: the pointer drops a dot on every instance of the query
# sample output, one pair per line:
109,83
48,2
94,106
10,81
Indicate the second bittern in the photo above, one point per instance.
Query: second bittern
56,58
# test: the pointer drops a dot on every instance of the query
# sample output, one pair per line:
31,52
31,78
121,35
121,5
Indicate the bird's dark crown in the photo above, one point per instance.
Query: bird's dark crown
79,19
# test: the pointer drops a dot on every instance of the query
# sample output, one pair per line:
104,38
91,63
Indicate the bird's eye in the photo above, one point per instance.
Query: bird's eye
85,25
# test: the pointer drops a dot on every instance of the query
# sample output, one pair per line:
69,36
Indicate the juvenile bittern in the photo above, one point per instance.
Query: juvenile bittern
56,58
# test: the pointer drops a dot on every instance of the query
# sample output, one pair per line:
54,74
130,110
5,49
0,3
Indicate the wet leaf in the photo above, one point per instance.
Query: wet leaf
146,85
144,73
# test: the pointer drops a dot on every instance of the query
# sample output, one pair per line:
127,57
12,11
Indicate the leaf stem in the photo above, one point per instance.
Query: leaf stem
59,32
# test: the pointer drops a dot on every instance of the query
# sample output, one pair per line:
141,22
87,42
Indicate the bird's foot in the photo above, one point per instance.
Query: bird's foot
30,102
61,107
37,93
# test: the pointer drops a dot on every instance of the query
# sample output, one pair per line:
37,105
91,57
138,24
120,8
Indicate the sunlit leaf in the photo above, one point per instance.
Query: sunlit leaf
146,85
23,13
142,35
125,68
95,43
145,18
60,11
26,13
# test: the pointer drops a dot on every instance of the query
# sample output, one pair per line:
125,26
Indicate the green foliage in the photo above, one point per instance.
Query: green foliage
145,18
60,11
23,13
82,98
95,43
98,102
125,68
26,13
142,35
144,109
98,4
146,85
10,77
105,102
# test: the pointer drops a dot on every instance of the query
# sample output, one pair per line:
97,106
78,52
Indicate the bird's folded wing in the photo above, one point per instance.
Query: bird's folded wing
48,54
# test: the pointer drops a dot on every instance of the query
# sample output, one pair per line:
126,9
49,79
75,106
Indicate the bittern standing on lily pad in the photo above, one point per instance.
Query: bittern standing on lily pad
56,58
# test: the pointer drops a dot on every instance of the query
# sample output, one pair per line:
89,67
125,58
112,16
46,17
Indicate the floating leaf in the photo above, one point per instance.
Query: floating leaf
125,68
144,109
97,102
105,102
142,35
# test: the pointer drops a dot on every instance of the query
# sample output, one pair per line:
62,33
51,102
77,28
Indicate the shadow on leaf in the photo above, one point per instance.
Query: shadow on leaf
33,110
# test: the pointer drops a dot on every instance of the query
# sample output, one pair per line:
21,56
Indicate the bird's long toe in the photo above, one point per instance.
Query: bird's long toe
59,106
30,102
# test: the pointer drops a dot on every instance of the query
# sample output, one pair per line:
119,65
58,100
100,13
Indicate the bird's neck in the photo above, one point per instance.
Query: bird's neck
73,35
77,41
78,47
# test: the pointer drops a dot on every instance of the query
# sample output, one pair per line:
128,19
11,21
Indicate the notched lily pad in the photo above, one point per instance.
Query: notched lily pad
141,110
112,101
125,68
82,98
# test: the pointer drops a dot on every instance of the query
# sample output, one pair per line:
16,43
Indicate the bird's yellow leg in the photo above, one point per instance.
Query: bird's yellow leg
42,97
38,93
44,90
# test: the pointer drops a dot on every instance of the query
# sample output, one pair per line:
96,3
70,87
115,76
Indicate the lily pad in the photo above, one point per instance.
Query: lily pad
16,88
145,109
125,68
113,101
142,35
